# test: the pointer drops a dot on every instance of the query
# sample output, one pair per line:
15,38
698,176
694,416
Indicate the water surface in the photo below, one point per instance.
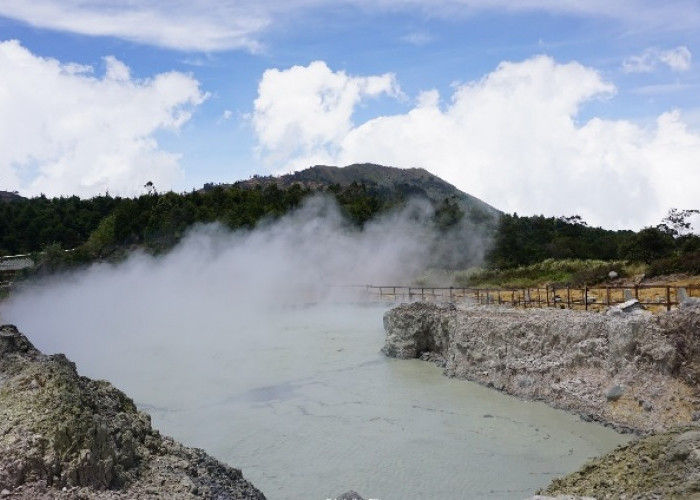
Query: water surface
303,401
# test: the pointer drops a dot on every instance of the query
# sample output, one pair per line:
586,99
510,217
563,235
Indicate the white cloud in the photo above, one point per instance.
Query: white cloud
418,38
214,25
678,59
225,116
190,26
308,109
514,139
66,131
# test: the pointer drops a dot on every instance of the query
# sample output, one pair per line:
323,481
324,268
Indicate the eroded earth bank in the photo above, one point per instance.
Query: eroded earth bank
67,436
634,372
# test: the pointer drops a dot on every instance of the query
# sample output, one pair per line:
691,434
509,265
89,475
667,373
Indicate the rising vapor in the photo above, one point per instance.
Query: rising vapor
219,287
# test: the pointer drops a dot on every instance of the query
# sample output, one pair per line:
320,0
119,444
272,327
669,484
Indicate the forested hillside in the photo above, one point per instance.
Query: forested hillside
666,248
386,183
156,221
97,227
105,226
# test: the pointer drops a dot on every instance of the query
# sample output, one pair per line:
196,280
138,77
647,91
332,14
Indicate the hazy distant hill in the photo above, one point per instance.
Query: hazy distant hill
10,196
385,182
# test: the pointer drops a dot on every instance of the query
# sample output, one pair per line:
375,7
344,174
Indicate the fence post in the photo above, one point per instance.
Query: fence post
568,296
546,294
636,291
585,296
668,298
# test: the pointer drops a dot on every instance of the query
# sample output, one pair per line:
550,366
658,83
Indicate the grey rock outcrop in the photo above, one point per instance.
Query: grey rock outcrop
660,466
67,436
567,358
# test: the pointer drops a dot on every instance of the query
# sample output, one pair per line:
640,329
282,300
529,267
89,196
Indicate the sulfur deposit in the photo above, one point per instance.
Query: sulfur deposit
66,436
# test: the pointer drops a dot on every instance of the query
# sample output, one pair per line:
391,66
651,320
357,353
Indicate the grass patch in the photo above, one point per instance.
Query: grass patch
572,272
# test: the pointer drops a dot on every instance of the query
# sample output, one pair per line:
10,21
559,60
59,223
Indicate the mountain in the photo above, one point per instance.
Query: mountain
10,196
385,182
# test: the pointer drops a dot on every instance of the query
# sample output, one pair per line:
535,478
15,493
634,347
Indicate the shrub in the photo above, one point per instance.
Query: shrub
685,263
561,271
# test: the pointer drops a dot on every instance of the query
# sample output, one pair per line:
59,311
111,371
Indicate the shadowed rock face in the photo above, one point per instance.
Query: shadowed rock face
66,436
634,372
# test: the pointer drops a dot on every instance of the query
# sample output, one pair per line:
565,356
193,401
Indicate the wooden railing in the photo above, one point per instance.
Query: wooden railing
654,297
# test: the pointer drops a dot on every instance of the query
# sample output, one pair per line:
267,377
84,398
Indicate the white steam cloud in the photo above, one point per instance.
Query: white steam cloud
214,283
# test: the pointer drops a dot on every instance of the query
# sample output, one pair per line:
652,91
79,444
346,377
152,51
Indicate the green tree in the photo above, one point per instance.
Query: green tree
649,244
102,240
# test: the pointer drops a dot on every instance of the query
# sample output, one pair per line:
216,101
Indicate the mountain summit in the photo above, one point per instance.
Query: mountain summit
384,182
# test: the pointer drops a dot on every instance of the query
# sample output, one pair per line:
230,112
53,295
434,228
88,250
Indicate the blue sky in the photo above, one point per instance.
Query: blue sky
536,106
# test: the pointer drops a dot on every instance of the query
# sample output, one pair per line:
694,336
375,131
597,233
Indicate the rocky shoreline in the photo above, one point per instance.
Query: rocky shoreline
67,436
635,372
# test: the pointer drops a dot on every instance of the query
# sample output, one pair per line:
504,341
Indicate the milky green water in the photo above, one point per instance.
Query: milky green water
326,412
305,404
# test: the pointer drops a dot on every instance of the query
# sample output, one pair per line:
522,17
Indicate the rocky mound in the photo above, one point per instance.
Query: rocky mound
66,436
661,466
633,371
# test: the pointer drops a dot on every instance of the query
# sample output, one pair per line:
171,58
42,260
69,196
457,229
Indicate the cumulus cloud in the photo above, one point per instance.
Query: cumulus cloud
307,110
516,140
67,131
214,25
678,59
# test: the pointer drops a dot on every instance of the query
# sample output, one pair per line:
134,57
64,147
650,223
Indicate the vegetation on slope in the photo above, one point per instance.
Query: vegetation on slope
573,272
522,251
385,183
531,250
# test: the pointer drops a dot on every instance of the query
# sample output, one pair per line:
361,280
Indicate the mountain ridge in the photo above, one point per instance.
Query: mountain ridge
381,180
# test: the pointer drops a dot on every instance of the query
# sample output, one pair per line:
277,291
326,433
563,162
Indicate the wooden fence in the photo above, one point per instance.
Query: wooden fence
653,297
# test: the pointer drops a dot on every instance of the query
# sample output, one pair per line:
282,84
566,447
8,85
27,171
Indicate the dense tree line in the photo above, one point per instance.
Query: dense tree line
98,227
521,241
28,225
